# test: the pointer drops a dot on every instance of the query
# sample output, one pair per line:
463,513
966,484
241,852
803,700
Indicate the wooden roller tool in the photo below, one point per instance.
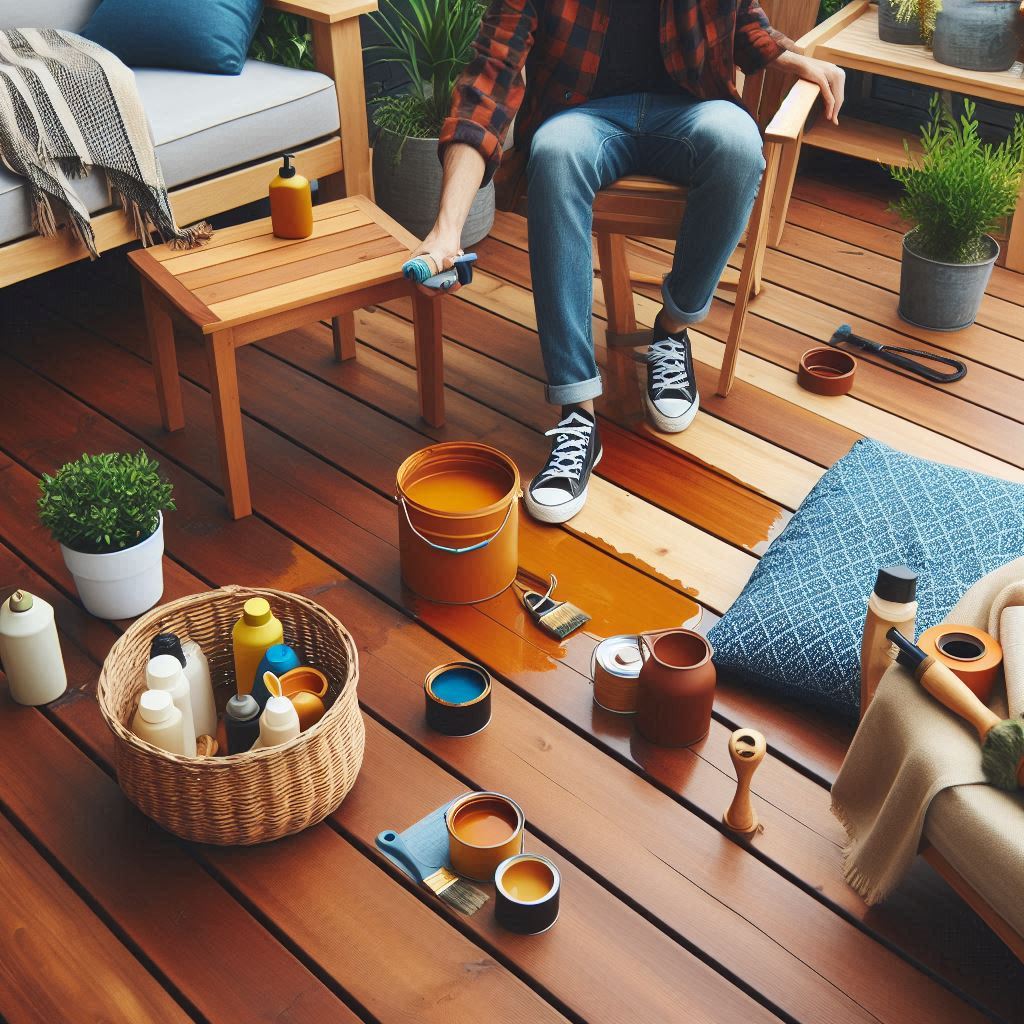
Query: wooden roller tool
1002,740
747,748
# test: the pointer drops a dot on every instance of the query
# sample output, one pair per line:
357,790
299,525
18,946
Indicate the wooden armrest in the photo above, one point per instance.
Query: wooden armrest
790,118
328,11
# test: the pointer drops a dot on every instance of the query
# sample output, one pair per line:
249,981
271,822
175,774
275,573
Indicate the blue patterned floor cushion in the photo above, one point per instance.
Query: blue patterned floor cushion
796,627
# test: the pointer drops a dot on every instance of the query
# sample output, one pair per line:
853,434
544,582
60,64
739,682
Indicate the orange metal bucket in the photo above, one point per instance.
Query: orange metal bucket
458,522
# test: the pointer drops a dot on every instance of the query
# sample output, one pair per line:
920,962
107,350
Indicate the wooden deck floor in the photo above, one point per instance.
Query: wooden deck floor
665,917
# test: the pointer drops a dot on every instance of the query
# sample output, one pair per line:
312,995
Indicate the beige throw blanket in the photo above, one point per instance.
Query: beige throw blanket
909,748
67,106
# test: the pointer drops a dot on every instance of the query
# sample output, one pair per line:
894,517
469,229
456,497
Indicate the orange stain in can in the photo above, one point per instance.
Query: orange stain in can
527,880
485,823
461,489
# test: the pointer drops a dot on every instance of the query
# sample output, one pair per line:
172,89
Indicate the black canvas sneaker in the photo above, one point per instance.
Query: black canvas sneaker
671,397
559,490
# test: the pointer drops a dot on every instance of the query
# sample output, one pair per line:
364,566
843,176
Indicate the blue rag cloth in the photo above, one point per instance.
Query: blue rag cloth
427,840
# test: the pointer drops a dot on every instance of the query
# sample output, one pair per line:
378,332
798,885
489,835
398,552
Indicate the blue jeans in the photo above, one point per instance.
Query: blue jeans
712,146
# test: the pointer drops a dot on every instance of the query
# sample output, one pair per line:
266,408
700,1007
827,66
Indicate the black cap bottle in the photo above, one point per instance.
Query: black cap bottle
167,643
897,583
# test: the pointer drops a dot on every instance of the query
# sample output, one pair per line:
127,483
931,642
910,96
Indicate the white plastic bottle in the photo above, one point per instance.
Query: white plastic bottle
164,672
279,723
892,603
158,721
197,672
30,650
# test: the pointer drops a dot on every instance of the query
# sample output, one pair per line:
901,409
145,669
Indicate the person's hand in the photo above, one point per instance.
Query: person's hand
829,78
439,250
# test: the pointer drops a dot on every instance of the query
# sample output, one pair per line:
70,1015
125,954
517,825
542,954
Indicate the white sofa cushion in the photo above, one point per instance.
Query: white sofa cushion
206,124
70,15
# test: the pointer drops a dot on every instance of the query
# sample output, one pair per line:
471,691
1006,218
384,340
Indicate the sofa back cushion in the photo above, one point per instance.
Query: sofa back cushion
67,14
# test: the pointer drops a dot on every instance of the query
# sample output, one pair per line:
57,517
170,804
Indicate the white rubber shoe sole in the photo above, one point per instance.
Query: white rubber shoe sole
670,424
555,514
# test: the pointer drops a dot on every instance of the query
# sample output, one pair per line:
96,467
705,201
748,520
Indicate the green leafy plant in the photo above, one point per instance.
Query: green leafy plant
925,12
432,43
283,39
959,188
103,503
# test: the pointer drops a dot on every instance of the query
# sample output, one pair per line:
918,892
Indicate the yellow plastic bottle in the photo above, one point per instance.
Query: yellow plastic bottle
253,633
291,202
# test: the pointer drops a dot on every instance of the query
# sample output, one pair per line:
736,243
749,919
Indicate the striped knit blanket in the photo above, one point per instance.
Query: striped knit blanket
67,106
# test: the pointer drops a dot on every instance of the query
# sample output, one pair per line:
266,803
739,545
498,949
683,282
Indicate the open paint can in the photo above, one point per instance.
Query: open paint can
526,889
458,697
458,522
483,830
615,667
973,655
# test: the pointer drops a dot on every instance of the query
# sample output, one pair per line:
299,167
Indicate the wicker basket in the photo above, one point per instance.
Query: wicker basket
241,798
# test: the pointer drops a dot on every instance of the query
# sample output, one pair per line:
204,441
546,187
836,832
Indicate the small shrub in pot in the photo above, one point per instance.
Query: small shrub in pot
106,512
432,44
957,191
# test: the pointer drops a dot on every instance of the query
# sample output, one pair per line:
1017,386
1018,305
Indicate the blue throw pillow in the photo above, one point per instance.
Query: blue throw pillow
796,627
191,35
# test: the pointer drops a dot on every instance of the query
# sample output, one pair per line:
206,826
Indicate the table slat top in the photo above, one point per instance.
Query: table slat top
246,273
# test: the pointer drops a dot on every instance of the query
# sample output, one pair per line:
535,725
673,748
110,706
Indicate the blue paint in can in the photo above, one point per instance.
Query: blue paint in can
458,685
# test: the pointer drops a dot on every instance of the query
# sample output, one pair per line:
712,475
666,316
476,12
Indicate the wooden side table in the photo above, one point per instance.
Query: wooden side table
850,39
247,285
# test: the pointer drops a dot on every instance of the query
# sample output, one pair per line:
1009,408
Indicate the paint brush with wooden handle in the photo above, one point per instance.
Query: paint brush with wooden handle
1002,740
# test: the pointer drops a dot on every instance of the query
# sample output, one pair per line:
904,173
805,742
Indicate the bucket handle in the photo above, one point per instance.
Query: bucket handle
455,551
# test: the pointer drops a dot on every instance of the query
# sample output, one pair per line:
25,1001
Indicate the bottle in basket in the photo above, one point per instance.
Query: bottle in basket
279,723
164,672
197,673
159,722
241,722
256,630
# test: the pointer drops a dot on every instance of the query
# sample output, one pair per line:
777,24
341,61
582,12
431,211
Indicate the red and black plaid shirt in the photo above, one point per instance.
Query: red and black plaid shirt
559,42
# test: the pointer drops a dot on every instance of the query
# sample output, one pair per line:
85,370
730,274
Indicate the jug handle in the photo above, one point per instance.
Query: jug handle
647,638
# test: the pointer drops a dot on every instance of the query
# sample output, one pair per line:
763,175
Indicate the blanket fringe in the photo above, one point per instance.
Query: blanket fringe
863,886
193,236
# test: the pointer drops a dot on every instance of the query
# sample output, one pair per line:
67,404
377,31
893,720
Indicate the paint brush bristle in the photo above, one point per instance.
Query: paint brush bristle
562,619
456,891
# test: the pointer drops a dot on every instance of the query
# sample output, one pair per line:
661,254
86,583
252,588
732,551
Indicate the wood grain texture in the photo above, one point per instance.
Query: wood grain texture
60,962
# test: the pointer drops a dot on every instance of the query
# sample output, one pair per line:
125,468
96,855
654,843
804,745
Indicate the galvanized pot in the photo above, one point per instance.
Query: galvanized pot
943,296
976,36
907,33
407,185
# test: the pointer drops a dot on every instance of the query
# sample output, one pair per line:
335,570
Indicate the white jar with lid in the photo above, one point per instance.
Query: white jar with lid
279,723
30,649
164,672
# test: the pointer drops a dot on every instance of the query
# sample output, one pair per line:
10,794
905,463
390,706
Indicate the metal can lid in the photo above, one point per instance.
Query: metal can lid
620,656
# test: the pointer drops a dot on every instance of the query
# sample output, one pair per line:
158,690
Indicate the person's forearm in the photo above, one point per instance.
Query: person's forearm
463,174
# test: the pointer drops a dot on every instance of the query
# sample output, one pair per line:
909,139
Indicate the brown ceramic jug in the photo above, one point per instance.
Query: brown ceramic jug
676,689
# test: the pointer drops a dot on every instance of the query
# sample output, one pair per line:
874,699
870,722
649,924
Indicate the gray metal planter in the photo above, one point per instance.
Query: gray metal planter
976,36
943,296
407,185
890,30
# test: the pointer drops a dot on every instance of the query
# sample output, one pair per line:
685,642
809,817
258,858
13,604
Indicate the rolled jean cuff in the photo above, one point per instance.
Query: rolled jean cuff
571,394
681,314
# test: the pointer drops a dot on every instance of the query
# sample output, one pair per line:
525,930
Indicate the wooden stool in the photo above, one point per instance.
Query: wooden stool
247,285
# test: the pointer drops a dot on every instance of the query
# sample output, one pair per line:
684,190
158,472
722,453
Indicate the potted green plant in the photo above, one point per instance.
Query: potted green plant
106,512
954,193
907,22
432,43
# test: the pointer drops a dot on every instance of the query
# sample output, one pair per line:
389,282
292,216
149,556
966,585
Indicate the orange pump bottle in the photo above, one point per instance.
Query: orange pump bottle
291,202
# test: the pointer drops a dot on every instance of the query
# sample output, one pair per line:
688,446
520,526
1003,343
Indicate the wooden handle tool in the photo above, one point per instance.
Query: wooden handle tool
747,748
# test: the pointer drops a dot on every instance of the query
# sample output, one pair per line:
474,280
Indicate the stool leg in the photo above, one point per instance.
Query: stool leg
426,313
618,288
165,360
227,415
343,327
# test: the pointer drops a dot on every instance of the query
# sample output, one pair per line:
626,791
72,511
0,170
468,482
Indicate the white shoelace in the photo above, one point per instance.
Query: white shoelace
566,459
667,360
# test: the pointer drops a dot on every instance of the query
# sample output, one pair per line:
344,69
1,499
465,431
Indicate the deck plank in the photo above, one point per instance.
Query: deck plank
819,930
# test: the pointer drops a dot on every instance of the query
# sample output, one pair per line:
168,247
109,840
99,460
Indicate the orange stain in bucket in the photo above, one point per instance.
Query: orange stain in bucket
460,490
483,823
527,880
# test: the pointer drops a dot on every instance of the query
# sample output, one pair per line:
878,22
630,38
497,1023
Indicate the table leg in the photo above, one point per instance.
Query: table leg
343,328
165,360
426,313
227,415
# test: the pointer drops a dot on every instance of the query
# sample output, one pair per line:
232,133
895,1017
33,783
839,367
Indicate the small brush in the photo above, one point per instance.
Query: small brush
444,884
559,618
1002,741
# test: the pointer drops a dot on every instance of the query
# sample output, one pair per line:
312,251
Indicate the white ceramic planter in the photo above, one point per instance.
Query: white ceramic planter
120,584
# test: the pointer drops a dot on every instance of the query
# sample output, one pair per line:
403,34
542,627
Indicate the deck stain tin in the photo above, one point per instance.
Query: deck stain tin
458,698
526,890
484,829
